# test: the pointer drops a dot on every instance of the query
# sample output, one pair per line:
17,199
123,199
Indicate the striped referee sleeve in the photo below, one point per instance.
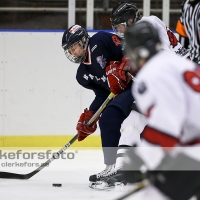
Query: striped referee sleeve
189,26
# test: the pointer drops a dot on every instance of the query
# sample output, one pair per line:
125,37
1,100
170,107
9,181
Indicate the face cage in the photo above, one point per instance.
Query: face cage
135,55
74,59
114,27
133,59
77,59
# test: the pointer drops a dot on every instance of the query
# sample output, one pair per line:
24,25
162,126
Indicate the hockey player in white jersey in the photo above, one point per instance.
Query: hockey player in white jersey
122,16
125,14
167,91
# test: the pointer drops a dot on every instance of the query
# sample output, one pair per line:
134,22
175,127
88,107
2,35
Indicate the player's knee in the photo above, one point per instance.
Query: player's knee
135,122
112,117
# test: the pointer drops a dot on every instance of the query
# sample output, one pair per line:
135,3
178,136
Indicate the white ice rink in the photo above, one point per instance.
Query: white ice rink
73,174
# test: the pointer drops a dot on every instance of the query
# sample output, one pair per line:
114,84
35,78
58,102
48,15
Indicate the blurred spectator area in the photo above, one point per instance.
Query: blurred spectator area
53,14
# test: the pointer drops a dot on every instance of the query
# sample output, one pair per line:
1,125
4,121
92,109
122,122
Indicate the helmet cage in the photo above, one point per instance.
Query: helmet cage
136,54
77,59
115,29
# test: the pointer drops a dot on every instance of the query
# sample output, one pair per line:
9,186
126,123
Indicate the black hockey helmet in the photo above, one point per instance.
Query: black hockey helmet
75,34
122,12
142,42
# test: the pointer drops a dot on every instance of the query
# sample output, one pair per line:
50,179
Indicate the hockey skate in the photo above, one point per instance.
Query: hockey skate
109,181
117,179
96,177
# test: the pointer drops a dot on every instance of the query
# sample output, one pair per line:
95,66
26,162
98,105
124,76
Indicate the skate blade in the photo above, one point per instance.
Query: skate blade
100,185
91,184
119,186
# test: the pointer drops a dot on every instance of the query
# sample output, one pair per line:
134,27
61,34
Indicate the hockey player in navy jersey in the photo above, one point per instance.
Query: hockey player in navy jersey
100,57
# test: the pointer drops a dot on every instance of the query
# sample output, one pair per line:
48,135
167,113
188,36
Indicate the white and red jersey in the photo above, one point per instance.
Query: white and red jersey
168,39
167,91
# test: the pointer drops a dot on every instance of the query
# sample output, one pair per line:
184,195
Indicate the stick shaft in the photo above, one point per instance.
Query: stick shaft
10,175
99,111
132,77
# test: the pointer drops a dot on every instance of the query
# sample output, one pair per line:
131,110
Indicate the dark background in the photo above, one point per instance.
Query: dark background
58,20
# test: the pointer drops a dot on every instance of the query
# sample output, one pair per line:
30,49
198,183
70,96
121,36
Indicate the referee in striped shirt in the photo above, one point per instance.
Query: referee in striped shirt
188,28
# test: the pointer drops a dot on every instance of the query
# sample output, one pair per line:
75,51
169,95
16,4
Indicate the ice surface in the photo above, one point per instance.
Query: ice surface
73,174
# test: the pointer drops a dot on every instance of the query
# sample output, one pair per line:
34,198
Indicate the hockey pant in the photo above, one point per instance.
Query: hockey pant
131,129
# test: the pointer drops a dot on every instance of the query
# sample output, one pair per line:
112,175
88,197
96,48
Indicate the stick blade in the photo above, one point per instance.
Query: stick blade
8,175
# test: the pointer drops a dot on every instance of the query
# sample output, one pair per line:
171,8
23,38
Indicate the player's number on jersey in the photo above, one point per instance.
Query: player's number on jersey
193,79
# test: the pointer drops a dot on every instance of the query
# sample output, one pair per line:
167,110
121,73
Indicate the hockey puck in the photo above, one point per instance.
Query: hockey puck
57,185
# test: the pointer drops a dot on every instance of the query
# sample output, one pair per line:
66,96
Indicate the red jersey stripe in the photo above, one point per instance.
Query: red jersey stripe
159,138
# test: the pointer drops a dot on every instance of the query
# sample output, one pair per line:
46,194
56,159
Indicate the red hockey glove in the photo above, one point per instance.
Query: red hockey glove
123,68
83,129
115,83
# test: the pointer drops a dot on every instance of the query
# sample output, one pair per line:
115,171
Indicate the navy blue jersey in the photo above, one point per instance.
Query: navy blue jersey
103,47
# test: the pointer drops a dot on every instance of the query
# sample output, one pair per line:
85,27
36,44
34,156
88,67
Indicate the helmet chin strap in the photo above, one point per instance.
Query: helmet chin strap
84,56
86,44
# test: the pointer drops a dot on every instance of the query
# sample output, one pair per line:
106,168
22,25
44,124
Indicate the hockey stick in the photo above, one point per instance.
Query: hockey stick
138,187
132,77
9,175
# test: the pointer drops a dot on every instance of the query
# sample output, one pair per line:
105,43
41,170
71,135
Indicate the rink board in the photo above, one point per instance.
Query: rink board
48,141
40,99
